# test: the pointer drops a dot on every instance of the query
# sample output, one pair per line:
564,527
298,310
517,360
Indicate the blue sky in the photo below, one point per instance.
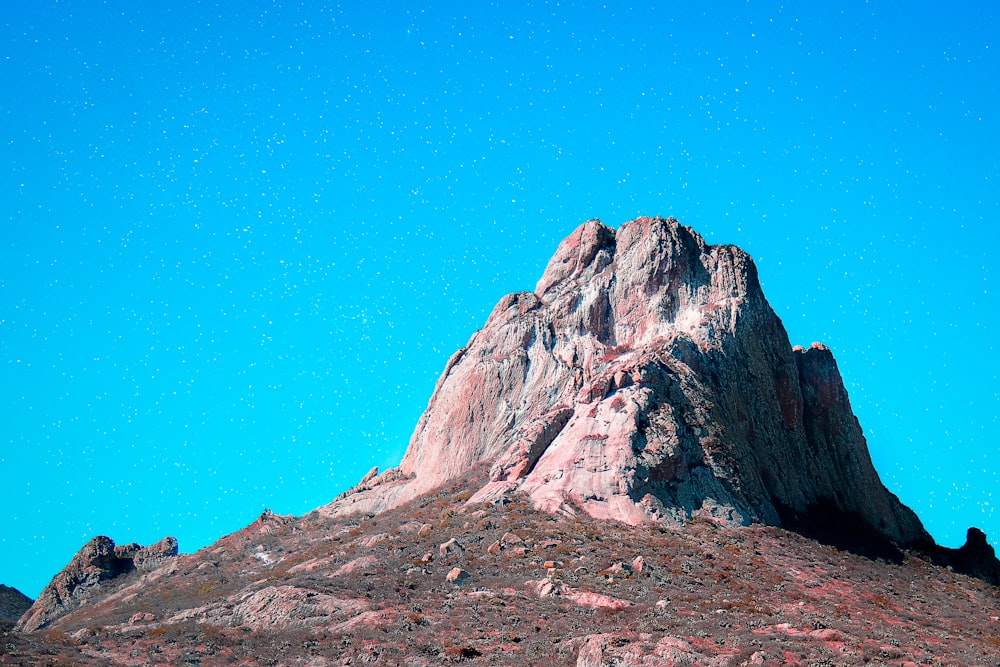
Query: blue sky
240,240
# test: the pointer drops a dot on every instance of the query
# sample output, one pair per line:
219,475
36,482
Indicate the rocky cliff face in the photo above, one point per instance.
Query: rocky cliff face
646,378
99,561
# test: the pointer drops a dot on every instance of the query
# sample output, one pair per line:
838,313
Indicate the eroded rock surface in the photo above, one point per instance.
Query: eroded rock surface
97,562
646,378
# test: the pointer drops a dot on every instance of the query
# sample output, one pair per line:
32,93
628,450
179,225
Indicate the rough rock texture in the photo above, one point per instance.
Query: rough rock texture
274,606
97,562
646,378
13,603
153,556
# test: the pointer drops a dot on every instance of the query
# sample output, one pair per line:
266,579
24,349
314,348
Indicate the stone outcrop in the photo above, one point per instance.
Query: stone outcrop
976,557
153,556
99,561
13,604
646,378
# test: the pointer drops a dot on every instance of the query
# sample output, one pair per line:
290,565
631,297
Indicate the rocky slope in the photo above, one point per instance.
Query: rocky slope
439,581
646,378
96,564
603,476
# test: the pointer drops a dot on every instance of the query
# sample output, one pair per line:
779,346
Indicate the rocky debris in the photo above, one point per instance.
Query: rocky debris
99,561
425,530
646,379
457,576
13,603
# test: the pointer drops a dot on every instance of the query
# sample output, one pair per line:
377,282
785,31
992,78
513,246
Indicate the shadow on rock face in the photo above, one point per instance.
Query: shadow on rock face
847,531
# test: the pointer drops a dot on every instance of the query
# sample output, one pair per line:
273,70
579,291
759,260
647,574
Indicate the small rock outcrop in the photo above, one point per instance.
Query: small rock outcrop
97,562
153,556
13,604
976,557
646,378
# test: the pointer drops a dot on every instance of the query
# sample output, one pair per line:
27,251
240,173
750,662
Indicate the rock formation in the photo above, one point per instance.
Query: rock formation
97,562
13,603
645,379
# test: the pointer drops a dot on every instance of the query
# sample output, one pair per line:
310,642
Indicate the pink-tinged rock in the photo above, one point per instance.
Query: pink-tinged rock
360,564
141,617
366,619
371,540
509,539
595,600
550,564
493,549
457,576
646,378
425,530
274,607
450,547
543,589
827,635
611,649
618,570
639,565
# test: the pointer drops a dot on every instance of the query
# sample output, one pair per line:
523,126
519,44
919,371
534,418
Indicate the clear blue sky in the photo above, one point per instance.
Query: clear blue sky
241,239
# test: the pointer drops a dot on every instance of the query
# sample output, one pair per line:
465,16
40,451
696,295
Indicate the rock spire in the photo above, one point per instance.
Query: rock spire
646,378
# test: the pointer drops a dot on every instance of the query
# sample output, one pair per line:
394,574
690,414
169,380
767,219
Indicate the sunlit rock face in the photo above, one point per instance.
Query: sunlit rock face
646,378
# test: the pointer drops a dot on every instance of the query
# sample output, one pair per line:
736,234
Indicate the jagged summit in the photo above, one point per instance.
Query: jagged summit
646,378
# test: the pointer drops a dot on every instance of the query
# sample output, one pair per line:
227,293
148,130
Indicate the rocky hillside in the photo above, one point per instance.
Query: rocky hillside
630,465
96,564
439,581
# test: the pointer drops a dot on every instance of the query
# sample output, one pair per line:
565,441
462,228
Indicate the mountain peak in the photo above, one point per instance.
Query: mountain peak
647,379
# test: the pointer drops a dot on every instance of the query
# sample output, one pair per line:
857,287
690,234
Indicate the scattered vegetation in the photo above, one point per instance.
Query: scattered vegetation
541,587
